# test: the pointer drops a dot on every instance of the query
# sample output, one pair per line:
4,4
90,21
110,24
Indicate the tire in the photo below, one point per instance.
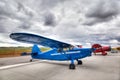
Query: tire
104,54
31,60
72,66
80,62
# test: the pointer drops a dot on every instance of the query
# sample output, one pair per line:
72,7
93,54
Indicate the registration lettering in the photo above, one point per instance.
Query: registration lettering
72,52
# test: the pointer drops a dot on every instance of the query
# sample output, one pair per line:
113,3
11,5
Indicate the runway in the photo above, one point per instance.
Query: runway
94,68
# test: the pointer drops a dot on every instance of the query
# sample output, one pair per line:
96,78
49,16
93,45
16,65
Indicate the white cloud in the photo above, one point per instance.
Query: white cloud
75,21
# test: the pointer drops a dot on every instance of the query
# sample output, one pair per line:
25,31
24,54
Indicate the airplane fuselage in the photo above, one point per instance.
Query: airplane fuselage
64,55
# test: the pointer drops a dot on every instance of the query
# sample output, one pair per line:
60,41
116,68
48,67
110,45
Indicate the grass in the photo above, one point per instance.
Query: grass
16,51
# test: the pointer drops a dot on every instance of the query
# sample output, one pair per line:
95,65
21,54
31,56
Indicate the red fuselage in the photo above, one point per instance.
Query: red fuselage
102,49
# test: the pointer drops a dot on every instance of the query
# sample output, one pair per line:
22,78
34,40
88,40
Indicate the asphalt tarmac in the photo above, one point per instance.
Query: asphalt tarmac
96,67
14,60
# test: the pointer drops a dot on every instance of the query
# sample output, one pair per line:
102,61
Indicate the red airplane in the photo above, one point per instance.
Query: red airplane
102,49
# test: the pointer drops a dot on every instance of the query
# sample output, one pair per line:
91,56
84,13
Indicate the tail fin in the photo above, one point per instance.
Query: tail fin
35,50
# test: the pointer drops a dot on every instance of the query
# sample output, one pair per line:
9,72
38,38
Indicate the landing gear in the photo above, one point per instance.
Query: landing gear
104,54
79,62
31,60
72,65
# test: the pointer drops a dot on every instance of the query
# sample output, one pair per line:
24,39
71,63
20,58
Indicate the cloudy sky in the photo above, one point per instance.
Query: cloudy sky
74,21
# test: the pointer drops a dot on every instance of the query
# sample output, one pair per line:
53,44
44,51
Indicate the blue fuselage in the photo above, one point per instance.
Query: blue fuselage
53,54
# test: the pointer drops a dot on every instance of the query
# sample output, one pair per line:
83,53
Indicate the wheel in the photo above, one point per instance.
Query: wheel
104,54
72,66
79,62
31,60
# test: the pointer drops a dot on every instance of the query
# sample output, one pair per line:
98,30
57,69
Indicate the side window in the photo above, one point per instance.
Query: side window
66,49
59,50
63,49
71,47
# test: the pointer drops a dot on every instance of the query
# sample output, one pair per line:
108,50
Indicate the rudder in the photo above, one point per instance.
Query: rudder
35,50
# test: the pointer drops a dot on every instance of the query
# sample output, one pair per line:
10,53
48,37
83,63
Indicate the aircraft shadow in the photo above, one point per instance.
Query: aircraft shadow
55,63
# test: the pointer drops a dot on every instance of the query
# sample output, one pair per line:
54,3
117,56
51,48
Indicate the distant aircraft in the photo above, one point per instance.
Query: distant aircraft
102,49
60,51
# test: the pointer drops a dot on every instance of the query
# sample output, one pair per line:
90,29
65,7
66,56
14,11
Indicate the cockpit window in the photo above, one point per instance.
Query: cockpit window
65,49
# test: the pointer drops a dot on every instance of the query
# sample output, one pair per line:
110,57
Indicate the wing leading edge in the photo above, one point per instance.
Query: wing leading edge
36,39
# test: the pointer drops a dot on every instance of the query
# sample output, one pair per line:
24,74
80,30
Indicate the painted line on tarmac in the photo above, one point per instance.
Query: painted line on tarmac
15,65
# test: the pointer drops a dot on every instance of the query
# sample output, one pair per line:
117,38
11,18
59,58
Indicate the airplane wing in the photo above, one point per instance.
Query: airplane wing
36,39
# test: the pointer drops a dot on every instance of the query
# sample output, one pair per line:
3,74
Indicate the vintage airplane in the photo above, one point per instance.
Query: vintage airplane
60,51
102,49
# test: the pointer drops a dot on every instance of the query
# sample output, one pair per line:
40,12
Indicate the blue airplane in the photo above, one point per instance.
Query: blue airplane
60,51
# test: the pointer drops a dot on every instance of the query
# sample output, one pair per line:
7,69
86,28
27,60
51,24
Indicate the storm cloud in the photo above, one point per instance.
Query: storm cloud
49,19
77,21
102,11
